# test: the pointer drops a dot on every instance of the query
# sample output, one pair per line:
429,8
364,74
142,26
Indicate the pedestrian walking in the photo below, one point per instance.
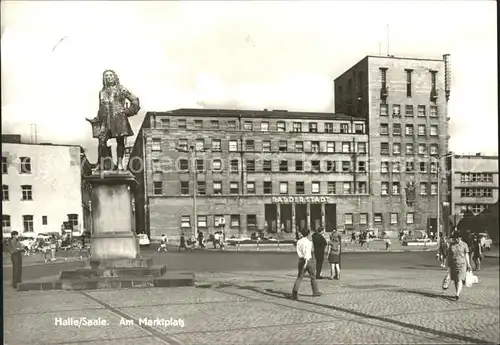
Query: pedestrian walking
319,245
222,240
182,242
477,252
200,239
442,249
216,239
163,243
362,238
53,247
16,250
334,254
304,251
353,238
458,262
387,240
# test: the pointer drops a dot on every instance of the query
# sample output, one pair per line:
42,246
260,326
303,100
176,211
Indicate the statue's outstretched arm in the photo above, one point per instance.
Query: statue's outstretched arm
134,103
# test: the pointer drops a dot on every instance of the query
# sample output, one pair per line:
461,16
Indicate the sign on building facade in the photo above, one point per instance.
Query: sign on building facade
300,199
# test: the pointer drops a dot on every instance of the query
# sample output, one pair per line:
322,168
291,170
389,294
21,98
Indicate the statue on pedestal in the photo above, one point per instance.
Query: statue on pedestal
112,119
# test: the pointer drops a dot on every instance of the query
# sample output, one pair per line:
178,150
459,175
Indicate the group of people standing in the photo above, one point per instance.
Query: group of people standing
331,248
219,239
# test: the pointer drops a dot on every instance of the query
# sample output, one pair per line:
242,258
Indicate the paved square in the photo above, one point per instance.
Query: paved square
250,307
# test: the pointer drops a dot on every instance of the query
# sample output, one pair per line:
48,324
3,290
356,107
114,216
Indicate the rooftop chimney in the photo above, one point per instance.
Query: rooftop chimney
447,76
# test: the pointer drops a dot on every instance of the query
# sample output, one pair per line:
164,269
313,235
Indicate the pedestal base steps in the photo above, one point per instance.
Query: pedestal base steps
113,274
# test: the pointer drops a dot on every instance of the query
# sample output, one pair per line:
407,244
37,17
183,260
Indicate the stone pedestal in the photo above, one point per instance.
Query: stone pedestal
114,261
113,223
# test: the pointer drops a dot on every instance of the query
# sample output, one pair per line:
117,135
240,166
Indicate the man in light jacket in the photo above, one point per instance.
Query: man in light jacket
304,251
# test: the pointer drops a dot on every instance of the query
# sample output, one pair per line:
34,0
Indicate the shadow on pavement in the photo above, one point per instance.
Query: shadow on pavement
423,267
426,294
286,295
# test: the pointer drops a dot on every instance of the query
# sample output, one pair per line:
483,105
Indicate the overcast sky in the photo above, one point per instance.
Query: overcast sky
245,55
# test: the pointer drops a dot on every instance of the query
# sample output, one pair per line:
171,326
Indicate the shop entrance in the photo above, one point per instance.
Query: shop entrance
431,225
270,215
300,216
315,216
330,217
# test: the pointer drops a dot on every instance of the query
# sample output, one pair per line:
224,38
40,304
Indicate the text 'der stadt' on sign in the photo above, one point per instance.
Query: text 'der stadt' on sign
300,199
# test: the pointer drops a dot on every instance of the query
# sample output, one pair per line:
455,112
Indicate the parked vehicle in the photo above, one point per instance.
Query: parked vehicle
487,240
143,240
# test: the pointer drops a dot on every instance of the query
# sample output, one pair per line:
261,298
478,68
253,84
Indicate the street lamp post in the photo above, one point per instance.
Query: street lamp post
192,156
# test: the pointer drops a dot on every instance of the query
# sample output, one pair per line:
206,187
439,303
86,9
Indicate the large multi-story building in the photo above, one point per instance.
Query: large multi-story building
373,164
273,171
43,188
405,102
474,184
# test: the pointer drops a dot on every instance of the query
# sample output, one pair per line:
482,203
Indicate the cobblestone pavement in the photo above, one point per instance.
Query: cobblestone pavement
250,307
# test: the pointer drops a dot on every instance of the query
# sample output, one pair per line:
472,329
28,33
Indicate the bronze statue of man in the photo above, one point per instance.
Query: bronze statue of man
112,118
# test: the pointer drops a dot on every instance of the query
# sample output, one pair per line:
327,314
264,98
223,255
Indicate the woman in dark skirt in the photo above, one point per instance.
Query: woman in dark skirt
334,254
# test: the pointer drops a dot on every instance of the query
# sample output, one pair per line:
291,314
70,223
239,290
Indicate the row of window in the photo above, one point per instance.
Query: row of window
264,126
476,177
409,129
26,192
383,78
409,110
202,221
409,149
283,146
362,218
25,166
251,220
314,147
316,166
28,222
234,187
409,72
409,167
300,188
476,192
396,188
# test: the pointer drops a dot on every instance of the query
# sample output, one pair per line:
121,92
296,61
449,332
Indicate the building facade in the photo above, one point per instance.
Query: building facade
405,104
43,189
272,171
373,164
474,184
